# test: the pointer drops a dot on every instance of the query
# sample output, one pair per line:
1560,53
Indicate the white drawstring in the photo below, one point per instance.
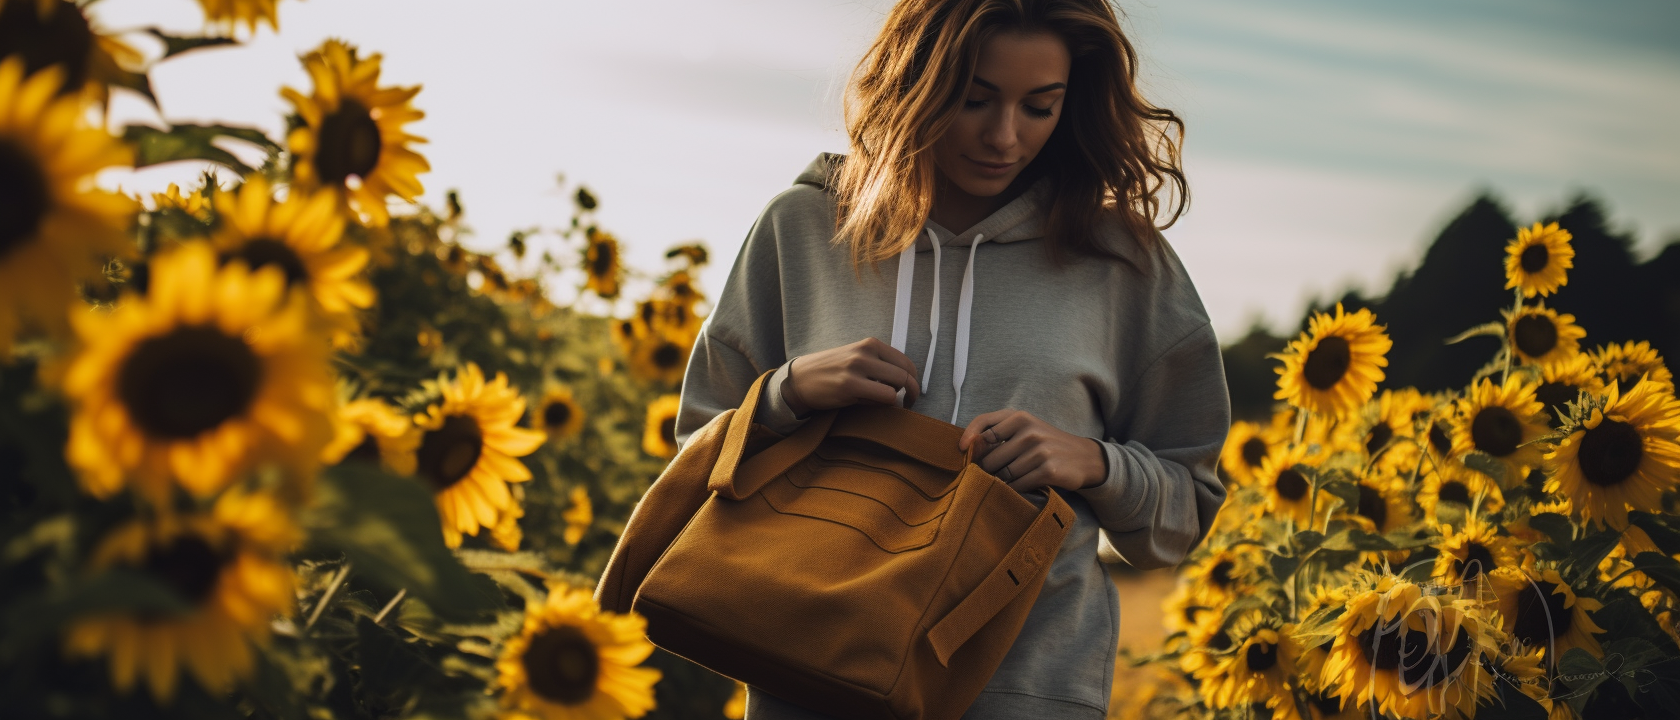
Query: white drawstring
965,305
959,362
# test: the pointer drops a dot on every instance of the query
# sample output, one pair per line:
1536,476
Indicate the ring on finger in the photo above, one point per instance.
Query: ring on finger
992,437
1005,475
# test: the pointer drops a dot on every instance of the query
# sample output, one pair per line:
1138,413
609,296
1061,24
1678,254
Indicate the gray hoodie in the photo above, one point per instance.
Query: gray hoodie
1121,352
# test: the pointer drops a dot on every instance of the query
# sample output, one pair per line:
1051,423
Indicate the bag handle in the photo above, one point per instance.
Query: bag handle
735,441
1030,555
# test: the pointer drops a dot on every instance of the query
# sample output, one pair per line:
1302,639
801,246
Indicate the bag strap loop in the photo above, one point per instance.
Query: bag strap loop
735,438
1016,570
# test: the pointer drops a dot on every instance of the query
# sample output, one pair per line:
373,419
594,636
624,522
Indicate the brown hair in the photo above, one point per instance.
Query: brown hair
1111,151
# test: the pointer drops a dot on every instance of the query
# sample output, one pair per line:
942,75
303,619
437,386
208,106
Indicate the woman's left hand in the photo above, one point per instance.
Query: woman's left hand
1027,453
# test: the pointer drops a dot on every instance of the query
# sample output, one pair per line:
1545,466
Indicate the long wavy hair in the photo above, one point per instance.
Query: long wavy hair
1111,151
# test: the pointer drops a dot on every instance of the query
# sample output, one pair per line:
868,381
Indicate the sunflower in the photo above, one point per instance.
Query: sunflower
660,436
300,236
1334,367
1473,550
1536,260
1181,609
1501,421
55,230
561,416
1288,492
1621,458
1628,362
574,661
661,356
1522,669
1542,335
193,204
1407,654
1562,381
470,448
579,516
506,533
49,33
211,372
1540,610
1452,483
1224,575
1381,508
352,128
225,567
1385,434
695,254
1261,668
226,14
1245,450
601,264
370,430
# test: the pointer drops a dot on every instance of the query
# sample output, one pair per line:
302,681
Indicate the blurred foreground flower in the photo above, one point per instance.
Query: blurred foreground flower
574,661
54,230
470,448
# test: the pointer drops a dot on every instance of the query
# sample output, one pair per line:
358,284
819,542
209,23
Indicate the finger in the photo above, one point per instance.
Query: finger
976,430
892,376
868,390
912,387
1004,454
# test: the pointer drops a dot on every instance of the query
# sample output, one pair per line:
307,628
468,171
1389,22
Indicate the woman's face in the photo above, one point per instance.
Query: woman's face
1012,107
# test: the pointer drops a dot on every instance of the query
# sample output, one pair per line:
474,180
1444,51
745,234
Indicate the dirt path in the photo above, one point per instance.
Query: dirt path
1140,622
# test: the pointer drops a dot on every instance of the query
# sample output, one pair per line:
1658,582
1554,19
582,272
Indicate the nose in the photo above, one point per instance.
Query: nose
999,134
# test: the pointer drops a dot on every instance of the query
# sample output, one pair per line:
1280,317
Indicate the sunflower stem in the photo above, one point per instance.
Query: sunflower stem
1516,309
387,609
332,588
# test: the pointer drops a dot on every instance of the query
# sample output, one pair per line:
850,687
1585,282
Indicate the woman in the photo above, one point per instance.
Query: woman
1064,336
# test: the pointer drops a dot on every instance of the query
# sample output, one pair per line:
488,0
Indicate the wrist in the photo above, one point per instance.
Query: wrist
790,395
1101,465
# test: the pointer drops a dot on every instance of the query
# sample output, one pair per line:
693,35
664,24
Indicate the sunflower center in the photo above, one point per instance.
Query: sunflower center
556,414
60,37
1438,439
562,665
647,313
1534,258
1372,506
602,262
1254,451
667,355
1220,641
23,196
1454,491
1541,616
1496,431
1261,656
448,453
668,431
1291,485
188,565
1433,668
1378,437
1610,453
1535,335
188,381
1556,395
1328,362
1221,573
261,252
350,143
1477,560
365,451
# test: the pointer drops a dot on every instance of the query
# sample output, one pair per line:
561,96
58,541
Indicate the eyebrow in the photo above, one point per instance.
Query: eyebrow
1035,91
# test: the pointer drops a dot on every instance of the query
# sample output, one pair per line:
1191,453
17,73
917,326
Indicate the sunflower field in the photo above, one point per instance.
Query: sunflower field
1504,550
277,445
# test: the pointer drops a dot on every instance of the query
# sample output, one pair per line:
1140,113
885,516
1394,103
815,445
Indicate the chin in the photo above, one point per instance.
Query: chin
986,187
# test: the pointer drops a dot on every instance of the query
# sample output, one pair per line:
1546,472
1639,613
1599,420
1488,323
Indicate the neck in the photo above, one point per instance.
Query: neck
957,210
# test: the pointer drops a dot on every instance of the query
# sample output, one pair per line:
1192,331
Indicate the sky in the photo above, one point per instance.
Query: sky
1328,141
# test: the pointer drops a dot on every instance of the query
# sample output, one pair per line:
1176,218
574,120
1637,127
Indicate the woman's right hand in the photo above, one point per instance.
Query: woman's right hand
867,371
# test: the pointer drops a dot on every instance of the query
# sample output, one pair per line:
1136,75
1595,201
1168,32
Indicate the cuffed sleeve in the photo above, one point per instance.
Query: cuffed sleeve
1162,491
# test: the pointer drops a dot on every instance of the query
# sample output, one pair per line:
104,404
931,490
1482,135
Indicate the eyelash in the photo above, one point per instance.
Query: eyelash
1033,111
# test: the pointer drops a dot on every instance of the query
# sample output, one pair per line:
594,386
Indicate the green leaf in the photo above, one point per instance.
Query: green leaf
1486,465
389,529
176,44
1659,567
1586,553
1283,567
1348,492
153,146
1308,540
1556,527
1579,671
1665,537
1357,539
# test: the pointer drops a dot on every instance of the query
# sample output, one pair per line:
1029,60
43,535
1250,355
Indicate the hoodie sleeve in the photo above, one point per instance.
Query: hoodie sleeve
740,340
1162,492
